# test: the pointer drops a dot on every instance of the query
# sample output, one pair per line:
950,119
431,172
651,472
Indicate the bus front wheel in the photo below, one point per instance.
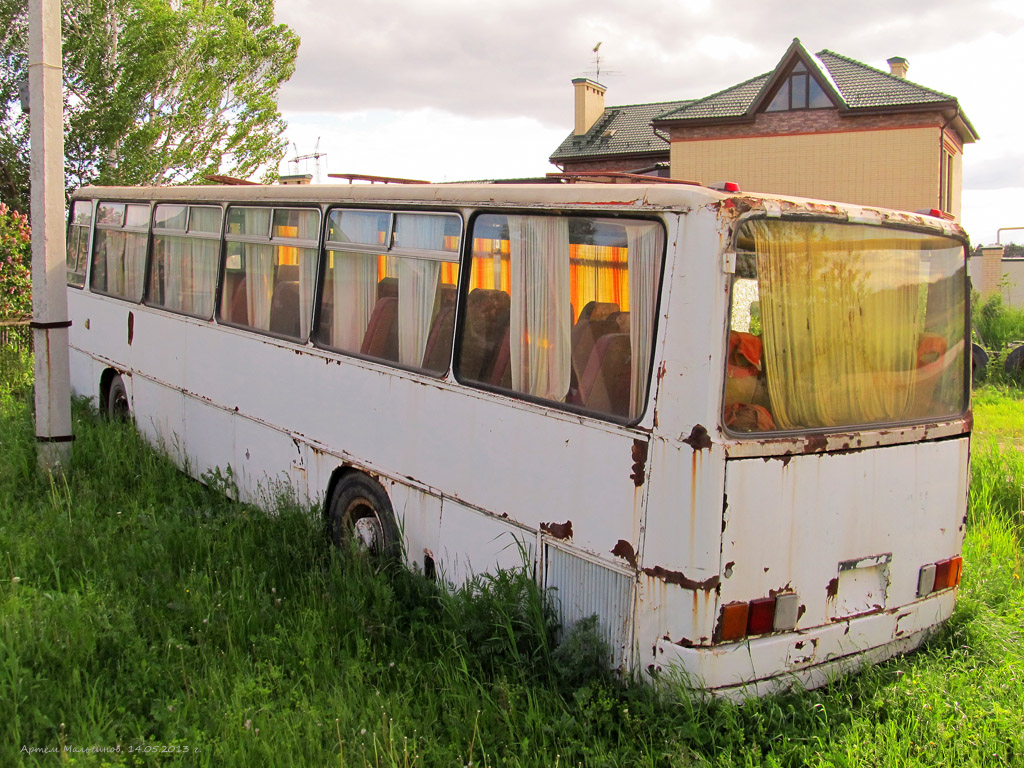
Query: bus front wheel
359,514
117,400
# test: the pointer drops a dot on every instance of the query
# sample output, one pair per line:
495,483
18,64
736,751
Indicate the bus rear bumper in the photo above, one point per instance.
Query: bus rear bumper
804,658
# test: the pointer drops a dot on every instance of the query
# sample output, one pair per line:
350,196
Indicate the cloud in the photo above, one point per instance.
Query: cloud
488,59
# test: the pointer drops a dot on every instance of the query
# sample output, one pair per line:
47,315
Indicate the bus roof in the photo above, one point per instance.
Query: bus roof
635,197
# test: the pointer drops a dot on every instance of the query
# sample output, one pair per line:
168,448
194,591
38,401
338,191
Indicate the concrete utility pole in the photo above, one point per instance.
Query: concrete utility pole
49,277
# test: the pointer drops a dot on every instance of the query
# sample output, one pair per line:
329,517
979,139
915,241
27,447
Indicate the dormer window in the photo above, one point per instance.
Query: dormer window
799,91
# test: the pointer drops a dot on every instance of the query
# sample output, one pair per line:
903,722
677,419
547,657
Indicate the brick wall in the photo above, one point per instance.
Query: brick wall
621,165
896,167
806,121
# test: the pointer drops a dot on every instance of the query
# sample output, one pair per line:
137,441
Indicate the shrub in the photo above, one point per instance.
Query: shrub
15,264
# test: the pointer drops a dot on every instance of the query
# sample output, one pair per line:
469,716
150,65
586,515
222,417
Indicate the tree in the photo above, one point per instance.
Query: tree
155,91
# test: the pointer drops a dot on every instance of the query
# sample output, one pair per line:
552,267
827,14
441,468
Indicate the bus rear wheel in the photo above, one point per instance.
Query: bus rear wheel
117,400
359,515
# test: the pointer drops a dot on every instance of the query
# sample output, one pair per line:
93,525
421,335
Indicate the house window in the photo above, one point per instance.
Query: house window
946,181
799,91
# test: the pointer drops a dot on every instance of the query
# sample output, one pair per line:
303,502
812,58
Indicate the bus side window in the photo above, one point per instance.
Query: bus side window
389,286
520,332
119,253
186,248
270,269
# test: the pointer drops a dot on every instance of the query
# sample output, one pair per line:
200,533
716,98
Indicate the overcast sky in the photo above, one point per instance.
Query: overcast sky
471,89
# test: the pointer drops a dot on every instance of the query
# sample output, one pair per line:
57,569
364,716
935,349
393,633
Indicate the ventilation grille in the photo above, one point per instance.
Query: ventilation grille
579,587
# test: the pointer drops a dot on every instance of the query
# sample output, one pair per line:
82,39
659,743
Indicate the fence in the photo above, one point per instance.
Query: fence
16,335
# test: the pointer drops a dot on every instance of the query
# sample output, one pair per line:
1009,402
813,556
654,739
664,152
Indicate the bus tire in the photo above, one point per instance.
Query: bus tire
979,364
359,513
118,407
1014,365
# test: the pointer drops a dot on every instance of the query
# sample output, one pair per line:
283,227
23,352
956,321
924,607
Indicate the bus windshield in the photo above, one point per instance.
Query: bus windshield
836,325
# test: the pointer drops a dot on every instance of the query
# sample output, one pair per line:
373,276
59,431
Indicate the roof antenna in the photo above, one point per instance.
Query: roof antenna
597,62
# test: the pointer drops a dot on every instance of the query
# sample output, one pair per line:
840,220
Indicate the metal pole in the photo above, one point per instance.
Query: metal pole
49,277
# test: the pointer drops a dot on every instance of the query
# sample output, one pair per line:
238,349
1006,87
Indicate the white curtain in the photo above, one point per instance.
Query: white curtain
417,288
174,263
540,335
204,274
644,260
355,290
417,283
259,280
134,265
355,286
113,251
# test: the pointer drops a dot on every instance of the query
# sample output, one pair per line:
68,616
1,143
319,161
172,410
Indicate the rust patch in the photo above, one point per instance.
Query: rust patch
699,438
815,444
678,579
639,467
131,327
800,612
558,530
685,642
780,590
624,550
832,589
661,372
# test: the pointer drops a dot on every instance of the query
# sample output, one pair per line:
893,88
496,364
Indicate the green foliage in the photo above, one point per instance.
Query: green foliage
15,264
997,324
156,92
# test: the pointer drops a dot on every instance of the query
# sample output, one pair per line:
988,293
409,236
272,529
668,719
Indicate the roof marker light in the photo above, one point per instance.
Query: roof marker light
725,186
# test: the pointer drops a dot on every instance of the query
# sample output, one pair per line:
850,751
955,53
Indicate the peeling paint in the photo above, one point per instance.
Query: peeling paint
699,438
678,579
558,530
639,454
815,444
832,589
624,550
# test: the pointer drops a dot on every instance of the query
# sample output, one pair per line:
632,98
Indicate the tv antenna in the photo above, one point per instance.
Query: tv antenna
597,61
315,156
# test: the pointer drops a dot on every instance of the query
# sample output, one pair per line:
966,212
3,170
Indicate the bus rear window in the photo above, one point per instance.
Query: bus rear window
562,308
837,325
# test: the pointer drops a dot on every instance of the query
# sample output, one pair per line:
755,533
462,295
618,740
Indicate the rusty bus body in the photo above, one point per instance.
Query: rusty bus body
748,558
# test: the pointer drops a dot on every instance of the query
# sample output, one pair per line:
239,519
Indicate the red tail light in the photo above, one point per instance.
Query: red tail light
758,617
762,616
944,574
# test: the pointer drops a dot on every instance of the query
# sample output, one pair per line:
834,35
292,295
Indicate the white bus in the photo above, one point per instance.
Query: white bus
734,426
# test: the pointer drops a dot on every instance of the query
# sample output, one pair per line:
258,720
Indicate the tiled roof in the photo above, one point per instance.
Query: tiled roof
864,86
732,102
631,132
628,129
858,85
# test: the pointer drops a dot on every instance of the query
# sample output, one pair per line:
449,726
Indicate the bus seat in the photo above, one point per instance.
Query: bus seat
239,310
583,337
387,286
287,273
284,309
381,337
598,310
486,321
438,349
604,385
501,372
621,319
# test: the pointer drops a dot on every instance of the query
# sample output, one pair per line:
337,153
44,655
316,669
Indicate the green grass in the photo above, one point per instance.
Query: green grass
140,608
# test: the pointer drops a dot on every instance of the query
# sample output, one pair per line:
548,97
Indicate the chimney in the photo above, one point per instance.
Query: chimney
898,66
589,103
